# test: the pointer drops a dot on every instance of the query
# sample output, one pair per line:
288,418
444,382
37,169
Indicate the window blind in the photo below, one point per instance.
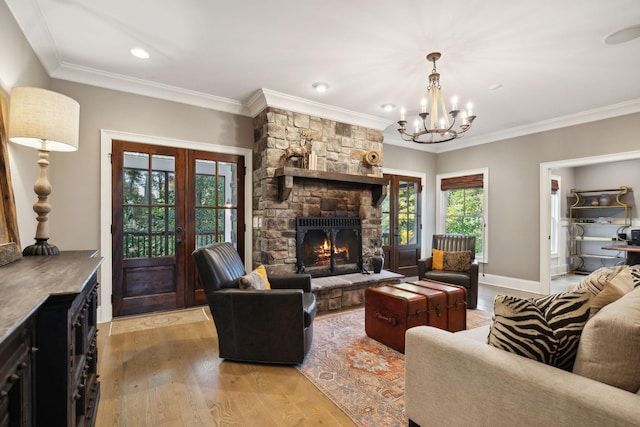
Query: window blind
466,181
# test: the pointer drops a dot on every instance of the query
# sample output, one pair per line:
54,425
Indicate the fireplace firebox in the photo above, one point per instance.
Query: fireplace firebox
328,246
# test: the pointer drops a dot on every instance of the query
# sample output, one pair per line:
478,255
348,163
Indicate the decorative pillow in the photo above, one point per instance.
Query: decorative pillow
457,261
610,345
595,281
438,259
257,279
607,284
545,329
635,275
614,289
262,271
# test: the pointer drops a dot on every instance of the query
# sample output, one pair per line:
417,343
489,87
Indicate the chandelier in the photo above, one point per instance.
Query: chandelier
435,127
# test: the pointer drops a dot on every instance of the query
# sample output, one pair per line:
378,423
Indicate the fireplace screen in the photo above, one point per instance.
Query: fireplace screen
328,246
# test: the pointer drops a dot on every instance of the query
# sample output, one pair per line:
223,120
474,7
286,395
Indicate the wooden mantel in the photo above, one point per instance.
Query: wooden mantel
287,175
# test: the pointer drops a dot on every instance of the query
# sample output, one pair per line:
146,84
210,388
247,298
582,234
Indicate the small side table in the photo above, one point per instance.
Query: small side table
632,252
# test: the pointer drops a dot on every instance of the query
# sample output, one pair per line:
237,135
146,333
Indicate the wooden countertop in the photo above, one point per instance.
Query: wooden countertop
626,248
26,284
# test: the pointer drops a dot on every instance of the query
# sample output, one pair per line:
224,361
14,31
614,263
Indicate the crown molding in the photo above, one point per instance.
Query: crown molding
33,26
616,110
268,98
122,83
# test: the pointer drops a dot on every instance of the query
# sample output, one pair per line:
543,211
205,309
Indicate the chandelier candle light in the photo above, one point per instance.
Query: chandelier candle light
438,128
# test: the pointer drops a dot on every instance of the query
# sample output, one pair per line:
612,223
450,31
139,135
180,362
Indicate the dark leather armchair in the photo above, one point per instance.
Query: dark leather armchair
466,279
267,326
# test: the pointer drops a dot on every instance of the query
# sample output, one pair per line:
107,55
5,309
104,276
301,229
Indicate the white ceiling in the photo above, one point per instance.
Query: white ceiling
548,55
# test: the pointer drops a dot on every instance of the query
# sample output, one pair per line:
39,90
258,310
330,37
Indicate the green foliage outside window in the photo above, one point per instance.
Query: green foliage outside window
465,208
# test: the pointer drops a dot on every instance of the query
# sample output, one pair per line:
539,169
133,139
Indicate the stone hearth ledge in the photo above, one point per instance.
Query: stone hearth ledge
347,290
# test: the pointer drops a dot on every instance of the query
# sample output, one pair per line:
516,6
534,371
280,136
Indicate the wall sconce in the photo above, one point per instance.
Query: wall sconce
46,121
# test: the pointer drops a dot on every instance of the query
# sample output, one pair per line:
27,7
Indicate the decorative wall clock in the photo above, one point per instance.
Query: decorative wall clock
372,157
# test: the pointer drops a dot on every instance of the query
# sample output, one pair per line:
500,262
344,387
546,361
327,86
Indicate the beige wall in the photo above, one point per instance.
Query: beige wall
514,183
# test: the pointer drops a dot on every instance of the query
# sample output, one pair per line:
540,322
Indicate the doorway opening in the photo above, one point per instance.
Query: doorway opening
166,203
106,137
402,224
546,171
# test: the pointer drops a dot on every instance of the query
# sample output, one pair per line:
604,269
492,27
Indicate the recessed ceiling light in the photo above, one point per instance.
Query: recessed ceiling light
320,86
388,107
139,52
622,36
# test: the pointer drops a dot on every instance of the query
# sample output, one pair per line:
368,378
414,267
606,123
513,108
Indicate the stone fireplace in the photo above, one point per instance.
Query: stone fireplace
342,185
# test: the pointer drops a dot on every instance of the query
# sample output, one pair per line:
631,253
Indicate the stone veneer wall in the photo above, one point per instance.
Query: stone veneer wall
340,148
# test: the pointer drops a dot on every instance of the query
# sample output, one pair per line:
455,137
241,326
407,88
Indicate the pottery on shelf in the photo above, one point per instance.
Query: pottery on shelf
604,200
377,261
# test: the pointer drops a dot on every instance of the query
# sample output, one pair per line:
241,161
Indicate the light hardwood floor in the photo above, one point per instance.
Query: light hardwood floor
172,376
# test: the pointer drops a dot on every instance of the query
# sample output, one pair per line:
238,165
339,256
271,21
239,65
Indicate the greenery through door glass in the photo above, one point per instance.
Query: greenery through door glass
386,219
465,209
407,214
148,206
216,204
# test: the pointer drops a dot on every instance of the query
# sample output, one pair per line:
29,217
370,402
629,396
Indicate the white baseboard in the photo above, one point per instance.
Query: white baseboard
510,283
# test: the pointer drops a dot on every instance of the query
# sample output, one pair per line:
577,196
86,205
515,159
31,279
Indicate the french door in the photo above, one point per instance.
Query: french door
401,224
166,203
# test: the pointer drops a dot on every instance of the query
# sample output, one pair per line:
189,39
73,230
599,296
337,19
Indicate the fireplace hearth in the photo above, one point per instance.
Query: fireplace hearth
328,246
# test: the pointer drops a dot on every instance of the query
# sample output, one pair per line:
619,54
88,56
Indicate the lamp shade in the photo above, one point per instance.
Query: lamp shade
43,119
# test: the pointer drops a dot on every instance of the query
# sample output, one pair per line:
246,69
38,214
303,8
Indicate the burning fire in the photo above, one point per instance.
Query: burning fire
321,254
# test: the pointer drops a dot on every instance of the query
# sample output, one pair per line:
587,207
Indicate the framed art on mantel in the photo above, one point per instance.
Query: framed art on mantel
9,240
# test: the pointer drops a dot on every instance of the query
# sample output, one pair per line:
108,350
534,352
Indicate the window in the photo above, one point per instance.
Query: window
555,214
463,207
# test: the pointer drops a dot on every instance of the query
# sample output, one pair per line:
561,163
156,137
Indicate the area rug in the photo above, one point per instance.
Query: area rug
360,375
150,321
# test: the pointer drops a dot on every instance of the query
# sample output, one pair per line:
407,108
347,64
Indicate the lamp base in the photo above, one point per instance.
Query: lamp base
41,248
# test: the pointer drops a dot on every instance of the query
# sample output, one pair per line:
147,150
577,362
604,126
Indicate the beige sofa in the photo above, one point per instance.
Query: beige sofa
459,380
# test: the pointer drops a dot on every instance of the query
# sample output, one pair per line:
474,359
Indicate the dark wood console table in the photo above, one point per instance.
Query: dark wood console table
633,252
48,330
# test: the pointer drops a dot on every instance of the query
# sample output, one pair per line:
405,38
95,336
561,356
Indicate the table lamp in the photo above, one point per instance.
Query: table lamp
46,121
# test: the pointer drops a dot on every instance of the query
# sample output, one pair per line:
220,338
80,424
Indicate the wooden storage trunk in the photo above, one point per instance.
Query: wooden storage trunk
390,311
456,307
436,304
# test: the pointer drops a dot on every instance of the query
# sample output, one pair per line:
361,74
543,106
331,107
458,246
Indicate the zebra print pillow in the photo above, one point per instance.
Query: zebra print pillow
545,329
635,275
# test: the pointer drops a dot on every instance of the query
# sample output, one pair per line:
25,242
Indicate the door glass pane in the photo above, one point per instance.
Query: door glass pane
163,180
163,221
135,229
216,202
228,181
407,208
135,178
386,218
148,205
